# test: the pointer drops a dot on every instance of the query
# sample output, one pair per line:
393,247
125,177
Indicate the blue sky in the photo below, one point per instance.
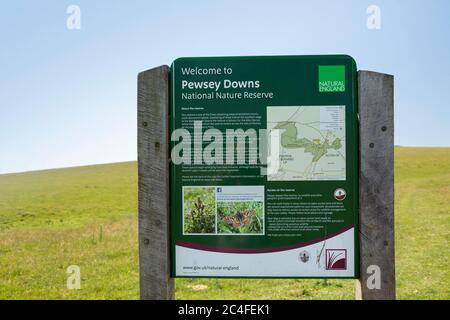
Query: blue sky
68,97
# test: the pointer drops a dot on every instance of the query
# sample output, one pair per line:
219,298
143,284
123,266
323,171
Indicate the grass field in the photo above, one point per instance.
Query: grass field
87,216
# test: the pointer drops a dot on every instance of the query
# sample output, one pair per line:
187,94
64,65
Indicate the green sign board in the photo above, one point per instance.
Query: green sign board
264,167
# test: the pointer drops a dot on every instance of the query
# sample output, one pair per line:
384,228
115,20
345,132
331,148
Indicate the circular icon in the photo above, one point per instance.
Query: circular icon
304,256
340,194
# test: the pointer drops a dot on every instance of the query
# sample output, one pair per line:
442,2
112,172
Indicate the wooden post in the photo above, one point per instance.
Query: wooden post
376,195
153,163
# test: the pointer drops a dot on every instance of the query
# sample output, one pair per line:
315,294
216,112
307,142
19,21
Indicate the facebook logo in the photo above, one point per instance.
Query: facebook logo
219,189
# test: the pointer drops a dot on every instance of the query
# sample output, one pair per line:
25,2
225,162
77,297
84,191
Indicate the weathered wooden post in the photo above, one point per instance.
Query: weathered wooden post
376,186
153,162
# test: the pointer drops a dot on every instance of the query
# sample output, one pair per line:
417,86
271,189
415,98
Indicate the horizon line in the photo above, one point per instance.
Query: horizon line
134,160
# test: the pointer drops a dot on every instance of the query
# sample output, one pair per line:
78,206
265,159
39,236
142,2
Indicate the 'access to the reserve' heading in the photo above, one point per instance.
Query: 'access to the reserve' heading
264,167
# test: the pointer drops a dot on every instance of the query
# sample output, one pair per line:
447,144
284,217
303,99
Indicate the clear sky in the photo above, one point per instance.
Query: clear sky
68,97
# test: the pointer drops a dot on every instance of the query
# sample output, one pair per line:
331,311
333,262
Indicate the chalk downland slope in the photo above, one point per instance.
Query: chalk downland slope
87,216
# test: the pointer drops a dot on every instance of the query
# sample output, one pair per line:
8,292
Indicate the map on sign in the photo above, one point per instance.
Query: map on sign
311,143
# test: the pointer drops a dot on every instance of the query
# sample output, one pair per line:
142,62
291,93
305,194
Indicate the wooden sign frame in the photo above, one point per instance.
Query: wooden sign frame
376,194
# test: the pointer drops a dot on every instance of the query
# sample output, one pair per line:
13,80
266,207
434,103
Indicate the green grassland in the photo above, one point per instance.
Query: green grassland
87,216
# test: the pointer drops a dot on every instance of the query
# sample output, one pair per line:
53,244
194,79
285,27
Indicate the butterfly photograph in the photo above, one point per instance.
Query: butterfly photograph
240,217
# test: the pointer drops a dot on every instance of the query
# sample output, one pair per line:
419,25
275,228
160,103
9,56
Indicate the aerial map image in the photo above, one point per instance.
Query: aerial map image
312,142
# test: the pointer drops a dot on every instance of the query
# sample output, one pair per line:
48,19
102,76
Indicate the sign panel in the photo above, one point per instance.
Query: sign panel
264,167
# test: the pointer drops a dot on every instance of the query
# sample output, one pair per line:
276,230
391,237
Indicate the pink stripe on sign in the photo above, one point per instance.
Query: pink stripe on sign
206,247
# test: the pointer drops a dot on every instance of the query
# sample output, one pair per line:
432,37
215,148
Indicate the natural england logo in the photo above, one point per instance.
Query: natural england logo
331,78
